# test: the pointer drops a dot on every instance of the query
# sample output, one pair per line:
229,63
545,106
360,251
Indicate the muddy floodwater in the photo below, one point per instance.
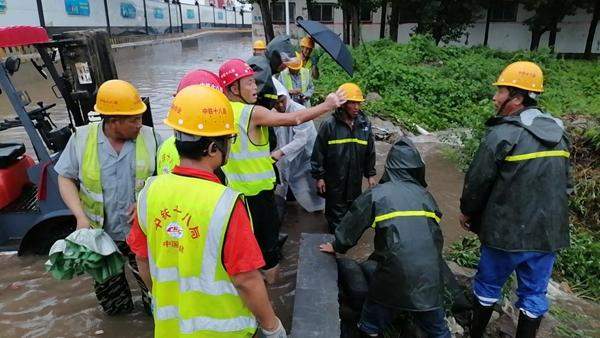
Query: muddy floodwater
33,304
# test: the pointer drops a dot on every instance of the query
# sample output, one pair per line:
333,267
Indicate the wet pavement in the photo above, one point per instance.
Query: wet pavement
32,304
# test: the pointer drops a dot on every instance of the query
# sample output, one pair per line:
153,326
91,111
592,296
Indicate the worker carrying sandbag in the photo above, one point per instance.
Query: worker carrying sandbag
101,170
250,166
408,245
194,236
344,153
515,198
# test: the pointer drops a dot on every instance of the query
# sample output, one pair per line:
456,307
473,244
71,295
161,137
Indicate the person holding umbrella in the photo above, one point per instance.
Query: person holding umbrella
298,82
307,46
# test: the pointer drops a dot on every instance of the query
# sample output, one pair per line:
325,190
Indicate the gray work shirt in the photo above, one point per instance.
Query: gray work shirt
118,180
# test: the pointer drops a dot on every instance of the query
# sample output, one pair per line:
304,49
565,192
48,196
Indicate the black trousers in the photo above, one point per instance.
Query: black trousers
266,222
114,295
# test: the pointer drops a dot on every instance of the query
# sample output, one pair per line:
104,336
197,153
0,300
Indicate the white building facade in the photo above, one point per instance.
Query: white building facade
507,30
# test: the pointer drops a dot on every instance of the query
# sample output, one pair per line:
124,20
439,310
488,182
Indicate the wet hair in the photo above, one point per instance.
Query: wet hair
527,101
197,149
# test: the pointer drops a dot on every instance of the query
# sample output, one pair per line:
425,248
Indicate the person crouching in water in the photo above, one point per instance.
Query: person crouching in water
344,152
408,245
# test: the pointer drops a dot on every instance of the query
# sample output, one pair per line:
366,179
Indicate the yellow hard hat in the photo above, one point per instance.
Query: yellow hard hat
201,111
260,45
353,92
524,75
296,63
118,97
307,42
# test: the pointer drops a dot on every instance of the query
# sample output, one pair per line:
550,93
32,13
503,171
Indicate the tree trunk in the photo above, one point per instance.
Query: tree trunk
592,31
265,11
355,10
346,24
535,39
309,4
395,20
552,37
487,23
383,18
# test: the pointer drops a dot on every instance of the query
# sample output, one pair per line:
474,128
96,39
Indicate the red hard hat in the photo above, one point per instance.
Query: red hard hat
234,70
200,77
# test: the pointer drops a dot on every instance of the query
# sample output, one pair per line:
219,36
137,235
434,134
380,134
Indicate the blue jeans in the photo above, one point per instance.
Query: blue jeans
376,317
533,274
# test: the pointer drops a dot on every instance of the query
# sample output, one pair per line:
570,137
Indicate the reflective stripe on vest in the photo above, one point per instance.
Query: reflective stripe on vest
538,154
406,213
190,326
249,168
90,190
193,293
289,83
348,140
167,157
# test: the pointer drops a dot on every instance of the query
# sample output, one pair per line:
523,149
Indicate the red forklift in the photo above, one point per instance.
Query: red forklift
32,213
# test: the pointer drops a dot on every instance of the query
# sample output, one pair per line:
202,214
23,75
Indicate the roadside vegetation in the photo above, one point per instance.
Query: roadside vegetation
450,87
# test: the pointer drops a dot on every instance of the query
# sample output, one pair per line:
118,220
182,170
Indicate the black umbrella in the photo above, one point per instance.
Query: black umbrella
330,42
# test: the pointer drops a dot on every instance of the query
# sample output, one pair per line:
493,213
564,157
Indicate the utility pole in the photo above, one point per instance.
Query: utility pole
287,17
146,18
170,21
107,17
199,19
40,8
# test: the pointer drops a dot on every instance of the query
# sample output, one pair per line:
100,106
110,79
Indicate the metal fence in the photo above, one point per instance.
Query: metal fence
122,17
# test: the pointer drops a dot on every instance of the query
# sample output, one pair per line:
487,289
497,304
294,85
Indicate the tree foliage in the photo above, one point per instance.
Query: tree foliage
444,20
547,15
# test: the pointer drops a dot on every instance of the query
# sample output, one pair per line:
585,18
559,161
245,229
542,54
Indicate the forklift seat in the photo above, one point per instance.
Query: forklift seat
10,153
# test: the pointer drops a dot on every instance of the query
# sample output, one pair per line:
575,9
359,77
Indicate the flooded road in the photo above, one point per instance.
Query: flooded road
33,304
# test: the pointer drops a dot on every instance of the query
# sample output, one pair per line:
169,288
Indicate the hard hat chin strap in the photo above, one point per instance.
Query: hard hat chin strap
512,94
239,96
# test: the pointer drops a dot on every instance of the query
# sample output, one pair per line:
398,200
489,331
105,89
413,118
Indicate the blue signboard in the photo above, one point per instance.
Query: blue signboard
77,7
159,13
2,6
220,16
190,14
127,10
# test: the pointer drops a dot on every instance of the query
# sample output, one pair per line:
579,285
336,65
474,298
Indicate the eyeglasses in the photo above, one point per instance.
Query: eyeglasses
233,138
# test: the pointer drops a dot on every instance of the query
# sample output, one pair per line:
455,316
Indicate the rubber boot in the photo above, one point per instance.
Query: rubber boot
527,327
481,317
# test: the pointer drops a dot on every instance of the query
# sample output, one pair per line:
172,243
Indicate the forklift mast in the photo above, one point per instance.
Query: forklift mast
86,61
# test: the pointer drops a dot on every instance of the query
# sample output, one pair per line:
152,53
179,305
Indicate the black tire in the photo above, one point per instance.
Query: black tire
41,237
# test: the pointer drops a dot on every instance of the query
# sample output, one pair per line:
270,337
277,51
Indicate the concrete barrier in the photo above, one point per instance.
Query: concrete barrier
316,303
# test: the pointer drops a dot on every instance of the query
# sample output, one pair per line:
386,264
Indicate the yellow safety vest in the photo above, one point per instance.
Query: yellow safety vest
307,64
249,168
304,79
167,157
90,187
193,294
